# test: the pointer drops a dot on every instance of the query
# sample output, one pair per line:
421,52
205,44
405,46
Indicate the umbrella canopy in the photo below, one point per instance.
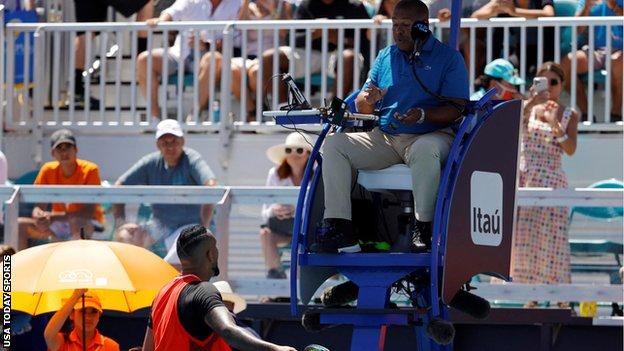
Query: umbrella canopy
125,277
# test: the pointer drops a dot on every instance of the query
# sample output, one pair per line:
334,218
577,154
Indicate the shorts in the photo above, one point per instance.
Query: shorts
172,60
600,56
237,62
97,10
62,230
280,226
299,56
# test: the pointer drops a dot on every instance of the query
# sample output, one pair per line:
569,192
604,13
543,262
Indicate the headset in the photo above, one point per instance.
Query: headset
420,33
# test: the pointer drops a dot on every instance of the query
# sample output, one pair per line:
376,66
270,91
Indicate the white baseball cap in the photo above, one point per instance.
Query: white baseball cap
169,126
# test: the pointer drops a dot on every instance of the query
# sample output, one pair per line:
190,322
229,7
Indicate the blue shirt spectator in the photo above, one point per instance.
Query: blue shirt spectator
439,67
172,165
153,170
600,32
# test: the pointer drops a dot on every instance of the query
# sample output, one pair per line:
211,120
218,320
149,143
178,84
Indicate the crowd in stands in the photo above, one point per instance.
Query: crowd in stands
155,12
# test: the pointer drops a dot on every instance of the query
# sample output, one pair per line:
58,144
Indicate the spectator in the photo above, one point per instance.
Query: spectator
502,75
65,221
318,9
520,8
184,10
384,12
89,315
97,11
257,10
415,127
541,253
599,8
173,164
442,10
290,159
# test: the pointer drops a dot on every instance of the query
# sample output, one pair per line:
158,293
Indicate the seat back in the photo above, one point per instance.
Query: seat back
604,213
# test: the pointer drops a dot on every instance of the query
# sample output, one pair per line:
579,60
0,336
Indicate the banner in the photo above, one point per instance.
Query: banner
20,16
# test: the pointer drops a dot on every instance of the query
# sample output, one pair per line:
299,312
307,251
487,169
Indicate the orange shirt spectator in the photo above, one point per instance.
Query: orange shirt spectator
63,221
87,173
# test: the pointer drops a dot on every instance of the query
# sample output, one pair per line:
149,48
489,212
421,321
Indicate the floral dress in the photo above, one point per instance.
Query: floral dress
541,252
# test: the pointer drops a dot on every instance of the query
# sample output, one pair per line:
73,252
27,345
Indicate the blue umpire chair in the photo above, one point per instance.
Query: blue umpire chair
479,176
472,226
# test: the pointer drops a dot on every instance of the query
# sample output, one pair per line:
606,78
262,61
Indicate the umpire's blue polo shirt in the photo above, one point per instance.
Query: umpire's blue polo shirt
440,68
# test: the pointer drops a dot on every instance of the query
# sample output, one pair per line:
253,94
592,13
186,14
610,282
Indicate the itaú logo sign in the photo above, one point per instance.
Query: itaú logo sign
486,208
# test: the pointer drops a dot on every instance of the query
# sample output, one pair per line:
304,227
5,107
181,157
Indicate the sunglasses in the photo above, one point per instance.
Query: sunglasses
299,150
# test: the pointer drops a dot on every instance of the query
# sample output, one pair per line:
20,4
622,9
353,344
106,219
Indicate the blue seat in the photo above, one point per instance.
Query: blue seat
187,80
28,178
599,246
604,213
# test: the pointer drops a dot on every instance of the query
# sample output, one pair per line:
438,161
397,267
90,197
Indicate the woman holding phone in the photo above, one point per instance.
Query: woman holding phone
541,252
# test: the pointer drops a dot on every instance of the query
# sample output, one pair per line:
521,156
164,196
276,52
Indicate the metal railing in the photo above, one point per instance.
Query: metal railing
53,42
225,196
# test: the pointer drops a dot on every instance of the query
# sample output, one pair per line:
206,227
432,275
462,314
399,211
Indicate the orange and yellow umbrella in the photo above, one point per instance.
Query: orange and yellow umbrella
125,277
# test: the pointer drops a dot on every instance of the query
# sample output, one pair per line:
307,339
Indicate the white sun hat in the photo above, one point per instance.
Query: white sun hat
277,153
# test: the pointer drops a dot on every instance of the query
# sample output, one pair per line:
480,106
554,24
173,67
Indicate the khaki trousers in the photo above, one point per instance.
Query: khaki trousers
345,153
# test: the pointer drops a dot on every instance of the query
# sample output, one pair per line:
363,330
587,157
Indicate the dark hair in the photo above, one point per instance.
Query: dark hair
382,9
284,170
414,7
191,238
551,67
6,250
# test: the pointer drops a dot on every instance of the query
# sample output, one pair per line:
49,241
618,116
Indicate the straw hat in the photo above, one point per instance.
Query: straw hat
277,153
228,295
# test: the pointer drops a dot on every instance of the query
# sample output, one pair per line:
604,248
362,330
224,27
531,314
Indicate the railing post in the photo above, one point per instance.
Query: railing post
225,123
11,214
222,221
39,37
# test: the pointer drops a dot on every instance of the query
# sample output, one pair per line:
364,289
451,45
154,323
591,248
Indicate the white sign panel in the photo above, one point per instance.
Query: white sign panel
486,208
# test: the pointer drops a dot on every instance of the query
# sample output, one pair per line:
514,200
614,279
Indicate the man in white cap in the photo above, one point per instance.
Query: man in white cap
173,164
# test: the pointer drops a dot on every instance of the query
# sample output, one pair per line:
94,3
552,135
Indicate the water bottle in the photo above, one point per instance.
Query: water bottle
216,112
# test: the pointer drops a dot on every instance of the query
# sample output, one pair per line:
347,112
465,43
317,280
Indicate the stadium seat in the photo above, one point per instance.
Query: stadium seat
589,247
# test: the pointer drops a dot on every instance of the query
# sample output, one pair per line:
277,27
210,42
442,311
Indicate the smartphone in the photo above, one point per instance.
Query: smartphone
540,84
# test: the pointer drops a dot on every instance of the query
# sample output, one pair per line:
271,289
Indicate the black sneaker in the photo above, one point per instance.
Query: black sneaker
276,273
421,236
340,295
337,237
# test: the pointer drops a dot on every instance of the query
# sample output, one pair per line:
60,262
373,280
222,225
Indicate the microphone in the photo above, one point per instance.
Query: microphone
420,33
471,304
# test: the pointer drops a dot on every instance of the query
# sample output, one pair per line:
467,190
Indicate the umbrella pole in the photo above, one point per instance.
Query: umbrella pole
84,331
